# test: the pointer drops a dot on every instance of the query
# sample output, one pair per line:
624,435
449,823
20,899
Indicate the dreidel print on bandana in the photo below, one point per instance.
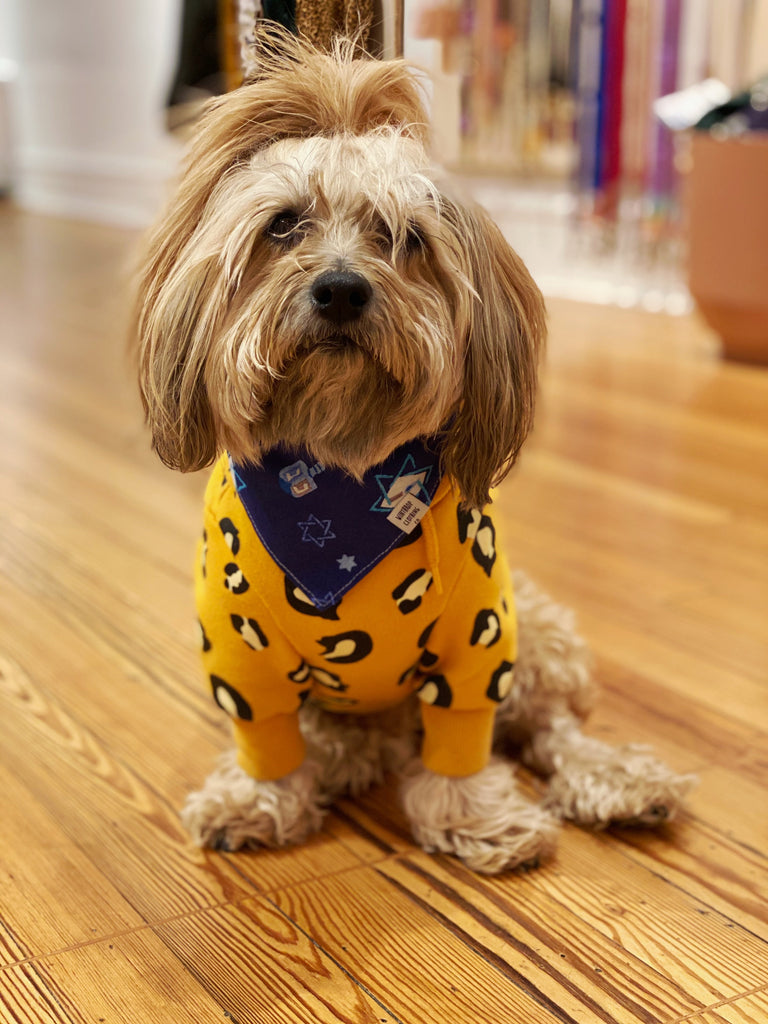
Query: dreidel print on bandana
297,479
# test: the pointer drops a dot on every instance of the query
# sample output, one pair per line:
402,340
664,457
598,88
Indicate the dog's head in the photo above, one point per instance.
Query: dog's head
311,283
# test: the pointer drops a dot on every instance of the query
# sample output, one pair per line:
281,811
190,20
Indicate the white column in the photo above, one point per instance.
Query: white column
88,129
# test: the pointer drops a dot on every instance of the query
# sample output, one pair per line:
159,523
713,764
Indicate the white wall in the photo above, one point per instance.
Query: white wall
7,29
8,71
87,106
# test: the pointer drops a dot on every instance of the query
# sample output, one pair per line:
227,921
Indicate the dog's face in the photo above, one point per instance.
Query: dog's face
340,333
311,284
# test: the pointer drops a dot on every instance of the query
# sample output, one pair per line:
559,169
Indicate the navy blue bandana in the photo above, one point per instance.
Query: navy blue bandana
324,529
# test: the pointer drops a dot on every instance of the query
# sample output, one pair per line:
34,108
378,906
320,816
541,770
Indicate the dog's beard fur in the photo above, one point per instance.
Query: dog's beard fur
234,352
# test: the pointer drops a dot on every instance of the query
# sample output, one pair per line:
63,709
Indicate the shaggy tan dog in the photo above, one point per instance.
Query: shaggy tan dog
316,293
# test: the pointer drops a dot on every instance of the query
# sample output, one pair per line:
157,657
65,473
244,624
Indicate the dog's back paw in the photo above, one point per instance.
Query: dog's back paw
623,786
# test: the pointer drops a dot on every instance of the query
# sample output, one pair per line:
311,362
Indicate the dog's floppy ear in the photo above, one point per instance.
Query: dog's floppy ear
171,345
504,332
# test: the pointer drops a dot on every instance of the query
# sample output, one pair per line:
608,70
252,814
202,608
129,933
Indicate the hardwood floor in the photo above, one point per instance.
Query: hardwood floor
641,500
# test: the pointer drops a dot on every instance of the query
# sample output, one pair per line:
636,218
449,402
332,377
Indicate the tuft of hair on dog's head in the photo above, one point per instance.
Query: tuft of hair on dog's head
312,282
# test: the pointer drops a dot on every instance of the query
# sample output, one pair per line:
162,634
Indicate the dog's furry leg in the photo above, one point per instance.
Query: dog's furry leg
591,782
234,810
553,668
482,819
345,754
353,752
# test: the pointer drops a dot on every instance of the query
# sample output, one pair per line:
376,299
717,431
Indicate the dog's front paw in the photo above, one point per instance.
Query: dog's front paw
482,819
234,810
600,786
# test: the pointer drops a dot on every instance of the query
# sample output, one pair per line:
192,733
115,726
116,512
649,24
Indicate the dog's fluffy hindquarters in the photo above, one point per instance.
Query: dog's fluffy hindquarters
359,348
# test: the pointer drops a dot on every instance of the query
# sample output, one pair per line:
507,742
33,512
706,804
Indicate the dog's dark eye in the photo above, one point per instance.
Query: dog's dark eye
384,238
286,227
415,240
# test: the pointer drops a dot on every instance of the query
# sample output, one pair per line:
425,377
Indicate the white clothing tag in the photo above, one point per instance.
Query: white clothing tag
408,514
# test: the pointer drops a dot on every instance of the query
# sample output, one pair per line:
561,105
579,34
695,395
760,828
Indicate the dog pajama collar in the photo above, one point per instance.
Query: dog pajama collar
325,530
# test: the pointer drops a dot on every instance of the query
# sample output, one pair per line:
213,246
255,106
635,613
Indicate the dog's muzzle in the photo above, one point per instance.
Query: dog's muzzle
340,296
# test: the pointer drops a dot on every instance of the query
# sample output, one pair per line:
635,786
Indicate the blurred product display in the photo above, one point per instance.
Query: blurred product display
576,108
745,112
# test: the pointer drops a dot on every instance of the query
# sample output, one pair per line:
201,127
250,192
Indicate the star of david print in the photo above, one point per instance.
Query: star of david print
395,486
318,531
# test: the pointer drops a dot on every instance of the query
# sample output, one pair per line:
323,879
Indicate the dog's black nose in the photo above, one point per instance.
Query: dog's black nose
341,295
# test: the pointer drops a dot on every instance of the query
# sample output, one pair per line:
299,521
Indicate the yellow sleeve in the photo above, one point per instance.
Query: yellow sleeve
468,659
254,673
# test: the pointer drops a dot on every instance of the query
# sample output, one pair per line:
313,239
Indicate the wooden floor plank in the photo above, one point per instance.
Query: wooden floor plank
679,603
88,478
266,970
149,719
678,667
130,979
584,974
635,708
52,896
701,856
600,510
749,1009
659,445
611,931
123,823
123,818
400,952
97,622
706,863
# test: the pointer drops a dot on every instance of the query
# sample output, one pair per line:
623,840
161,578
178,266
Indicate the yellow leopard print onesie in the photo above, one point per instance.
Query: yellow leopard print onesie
435,616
